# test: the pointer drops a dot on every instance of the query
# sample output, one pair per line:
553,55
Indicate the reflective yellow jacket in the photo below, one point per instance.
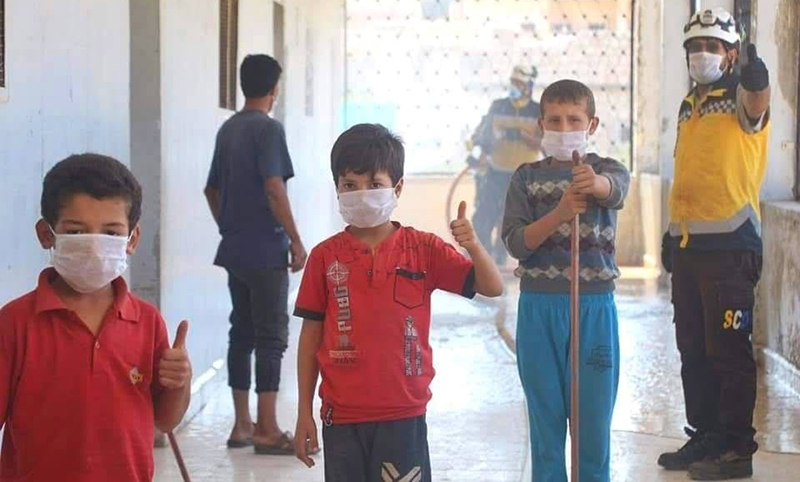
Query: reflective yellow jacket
720,161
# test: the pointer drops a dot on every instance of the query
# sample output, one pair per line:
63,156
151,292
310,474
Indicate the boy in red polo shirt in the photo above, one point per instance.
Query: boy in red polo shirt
85,366
365,300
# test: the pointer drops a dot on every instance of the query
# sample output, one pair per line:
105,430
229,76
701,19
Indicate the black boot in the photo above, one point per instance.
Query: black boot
693,451
727,463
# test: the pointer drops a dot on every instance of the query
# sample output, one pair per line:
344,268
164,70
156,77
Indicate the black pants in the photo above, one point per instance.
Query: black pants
396,450
713,294
490,203
260,321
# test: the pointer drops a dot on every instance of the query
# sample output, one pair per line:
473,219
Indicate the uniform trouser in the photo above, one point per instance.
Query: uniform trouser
713,294
395,450
543,341
490,202
259,321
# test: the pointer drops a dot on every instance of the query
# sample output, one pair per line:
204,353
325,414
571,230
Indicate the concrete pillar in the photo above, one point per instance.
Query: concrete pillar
145,139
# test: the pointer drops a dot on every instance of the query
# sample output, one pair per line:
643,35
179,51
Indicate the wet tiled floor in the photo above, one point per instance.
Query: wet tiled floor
477,425
650,399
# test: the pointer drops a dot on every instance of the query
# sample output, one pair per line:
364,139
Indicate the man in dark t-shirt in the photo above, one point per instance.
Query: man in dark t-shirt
246,191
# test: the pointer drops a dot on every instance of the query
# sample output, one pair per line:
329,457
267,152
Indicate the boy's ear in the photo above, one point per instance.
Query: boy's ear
541,124
593,125
399,188
133,243
43,233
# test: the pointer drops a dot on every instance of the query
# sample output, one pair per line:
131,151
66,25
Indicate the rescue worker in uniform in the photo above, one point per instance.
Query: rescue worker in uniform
714,246
508,136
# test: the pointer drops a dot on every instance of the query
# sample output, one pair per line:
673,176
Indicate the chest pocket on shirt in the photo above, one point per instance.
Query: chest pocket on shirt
409,288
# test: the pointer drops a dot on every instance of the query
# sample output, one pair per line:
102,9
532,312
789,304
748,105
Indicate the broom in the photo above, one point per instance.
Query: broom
574,336
178,457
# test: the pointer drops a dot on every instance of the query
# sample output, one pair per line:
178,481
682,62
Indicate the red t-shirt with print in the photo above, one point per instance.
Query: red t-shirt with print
375,356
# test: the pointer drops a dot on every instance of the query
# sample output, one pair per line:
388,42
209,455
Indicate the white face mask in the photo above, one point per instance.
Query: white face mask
704,67
367,208
88,262
561,144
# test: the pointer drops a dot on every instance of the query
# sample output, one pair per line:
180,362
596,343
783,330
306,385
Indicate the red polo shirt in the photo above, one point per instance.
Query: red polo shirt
375,358
78,408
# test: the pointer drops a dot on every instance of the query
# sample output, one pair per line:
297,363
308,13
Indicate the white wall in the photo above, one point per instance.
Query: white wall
314,39
67,73
674,79
726,4
776,37
190,286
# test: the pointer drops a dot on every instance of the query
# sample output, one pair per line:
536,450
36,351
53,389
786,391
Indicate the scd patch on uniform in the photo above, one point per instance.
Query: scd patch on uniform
738,320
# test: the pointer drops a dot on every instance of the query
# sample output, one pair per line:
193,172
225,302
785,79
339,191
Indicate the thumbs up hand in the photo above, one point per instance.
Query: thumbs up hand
755,76
175,370
462,229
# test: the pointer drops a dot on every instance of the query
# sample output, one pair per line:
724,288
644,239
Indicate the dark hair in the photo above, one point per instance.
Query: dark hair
99,176
567,90
259,75
368,148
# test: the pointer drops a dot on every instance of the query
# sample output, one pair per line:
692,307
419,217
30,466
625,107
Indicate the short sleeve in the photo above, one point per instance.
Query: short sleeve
312,298
7,355
450,270
213,173
160,343
272,157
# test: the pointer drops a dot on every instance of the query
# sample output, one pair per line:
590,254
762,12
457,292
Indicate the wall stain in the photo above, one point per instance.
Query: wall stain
786,38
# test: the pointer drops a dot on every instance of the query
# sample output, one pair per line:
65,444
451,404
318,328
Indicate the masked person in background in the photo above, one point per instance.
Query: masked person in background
508,136
714,246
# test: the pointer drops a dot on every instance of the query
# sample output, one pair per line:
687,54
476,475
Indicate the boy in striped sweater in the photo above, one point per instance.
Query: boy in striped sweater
542,199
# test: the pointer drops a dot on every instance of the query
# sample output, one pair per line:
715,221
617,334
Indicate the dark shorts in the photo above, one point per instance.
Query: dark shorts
259,322
395,450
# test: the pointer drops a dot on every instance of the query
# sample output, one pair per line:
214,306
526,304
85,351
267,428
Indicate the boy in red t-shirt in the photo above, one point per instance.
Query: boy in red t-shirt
86,369
365,300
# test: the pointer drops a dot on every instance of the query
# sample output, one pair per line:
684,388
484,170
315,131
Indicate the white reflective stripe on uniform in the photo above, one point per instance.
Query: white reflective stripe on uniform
719,227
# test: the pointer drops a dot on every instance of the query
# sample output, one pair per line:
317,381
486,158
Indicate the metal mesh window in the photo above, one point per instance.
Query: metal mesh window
429,69
228,46
2,44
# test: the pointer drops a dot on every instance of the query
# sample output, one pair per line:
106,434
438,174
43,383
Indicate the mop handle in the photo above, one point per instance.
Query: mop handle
574,332
178,457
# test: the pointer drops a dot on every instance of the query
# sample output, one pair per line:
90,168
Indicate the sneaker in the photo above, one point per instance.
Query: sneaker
728,465
693,451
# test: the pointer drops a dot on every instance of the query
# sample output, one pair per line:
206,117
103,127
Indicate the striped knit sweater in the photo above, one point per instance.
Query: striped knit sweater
534,191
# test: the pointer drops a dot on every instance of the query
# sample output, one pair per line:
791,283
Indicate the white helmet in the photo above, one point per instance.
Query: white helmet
714,22
523,74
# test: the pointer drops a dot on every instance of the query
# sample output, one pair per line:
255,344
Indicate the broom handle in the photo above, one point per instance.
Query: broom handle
574,332
178,457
